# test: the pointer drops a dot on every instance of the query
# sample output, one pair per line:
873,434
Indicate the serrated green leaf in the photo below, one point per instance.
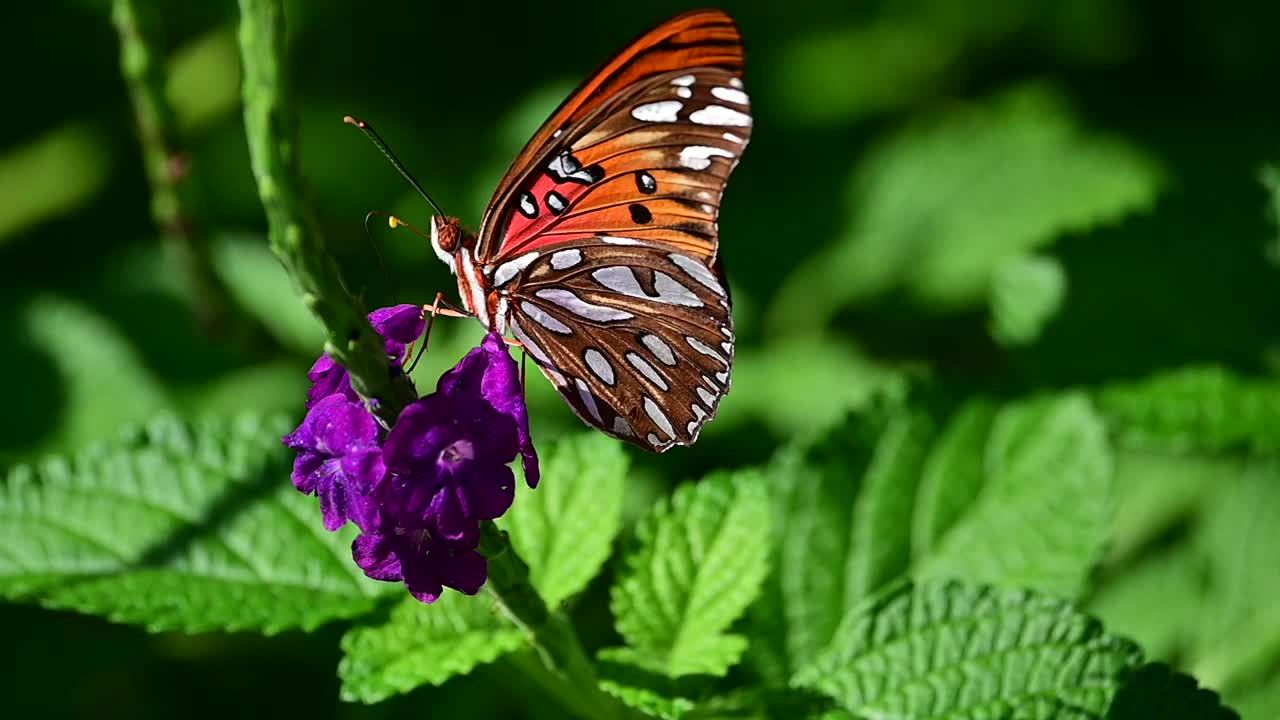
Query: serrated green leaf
1026,292
1156,691
420,644
178,526
937,207
260,285
564,529
1194,408
1041,519
106,384
951,650
953,474
698,563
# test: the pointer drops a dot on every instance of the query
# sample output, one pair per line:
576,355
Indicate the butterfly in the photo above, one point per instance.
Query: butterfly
598,251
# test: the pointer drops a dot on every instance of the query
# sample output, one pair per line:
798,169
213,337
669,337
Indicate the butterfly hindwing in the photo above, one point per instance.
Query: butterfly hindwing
637,338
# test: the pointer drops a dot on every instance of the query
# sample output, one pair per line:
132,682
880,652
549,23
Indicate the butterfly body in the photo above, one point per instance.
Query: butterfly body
599,250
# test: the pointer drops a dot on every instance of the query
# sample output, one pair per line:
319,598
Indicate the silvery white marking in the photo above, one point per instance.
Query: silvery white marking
684,92
708,209
707,350
732,138
564,259
511,268
501,316
475,294
599,365
697,271
554,202
545,320
556,134
446,258
723,377
622,427
647,370
728,347
710,383
620,279
672,292
588,399
661,111
724,330
720,115
655,414
698,157
707,397
705,195
527,205
684,80
732,95
530,346
660,349
653,440
698,414
611,240
735,82
582,308
558,167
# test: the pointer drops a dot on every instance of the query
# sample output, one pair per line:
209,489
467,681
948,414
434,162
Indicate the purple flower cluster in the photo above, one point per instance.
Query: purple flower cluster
419,492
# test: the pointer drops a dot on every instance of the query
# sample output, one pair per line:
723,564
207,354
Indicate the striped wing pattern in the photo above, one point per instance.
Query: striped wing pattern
601,241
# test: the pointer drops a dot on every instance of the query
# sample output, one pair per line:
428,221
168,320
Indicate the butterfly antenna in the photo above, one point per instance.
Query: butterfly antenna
376,139
377,251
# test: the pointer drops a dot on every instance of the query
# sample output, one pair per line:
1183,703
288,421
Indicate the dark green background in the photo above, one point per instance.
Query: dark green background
455,88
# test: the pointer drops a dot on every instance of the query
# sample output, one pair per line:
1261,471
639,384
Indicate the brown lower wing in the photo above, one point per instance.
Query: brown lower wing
638,338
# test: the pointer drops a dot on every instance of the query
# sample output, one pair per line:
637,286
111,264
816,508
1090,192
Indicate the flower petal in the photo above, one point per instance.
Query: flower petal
501,387
373,552
398,325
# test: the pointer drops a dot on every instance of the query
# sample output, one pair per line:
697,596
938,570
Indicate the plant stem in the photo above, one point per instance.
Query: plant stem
167,166
551,634
271,125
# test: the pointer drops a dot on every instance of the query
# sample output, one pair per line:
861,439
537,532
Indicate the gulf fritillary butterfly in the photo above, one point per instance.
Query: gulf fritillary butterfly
598,252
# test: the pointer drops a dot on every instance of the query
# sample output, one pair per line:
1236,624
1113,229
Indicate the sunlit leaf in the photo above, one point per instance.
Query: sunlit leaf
1026,292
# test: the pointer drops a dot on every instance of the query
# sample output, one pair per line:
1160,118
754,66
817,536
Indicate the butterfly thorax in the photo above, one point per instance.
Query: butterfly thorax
457,249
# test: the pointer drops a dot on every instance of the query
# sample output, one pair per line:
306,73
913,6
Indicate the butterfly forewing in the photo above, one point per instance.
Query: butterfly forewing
600,242
637,338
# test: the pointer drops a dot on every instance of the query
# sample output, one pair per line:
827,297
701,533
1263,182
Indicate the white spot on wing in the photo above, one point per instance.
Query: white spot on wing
582,308
564,259
511,268
544,319
733,138
697,271
723,377
698,157
599,365
707,350
684,92
647,370
654,440
661,111
622,427
659,348
672,292
735,82
620,279
707,397
611,240
684,80
656,415
720,115
530,346
732,95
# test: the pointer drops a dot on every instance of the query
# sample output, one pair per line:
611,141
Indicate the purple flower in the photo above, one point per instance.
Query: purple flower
424,561
339,460
398,325
448,455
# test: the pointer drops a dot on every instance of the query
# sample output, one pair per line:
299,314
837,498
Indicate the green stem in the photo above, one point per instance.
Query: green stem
167,166
271,126
552,635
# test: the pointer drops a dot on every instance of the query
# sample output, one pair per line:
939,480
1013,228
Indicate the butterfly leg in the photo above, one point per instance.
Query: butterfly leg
439,307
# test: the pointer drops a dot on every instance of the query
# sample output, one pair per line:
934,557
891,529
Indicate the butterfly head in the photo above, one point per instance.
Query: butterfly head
446,238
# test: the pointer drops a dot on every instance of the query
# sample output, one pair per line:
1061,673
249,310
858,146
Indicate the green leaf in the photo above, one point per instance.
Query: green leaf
639,689
1157,601
837,378
179,526
951,650
953,474
938,207
1155,691
419,644
1042,516
261,286
1269,176
1195,408
564,529
699,562
1026,292
1239,628
107,385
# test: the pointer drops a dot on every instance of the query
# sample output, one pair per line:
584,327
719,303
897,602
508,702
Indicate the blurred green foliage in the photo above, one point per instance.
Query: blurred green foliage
985,199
